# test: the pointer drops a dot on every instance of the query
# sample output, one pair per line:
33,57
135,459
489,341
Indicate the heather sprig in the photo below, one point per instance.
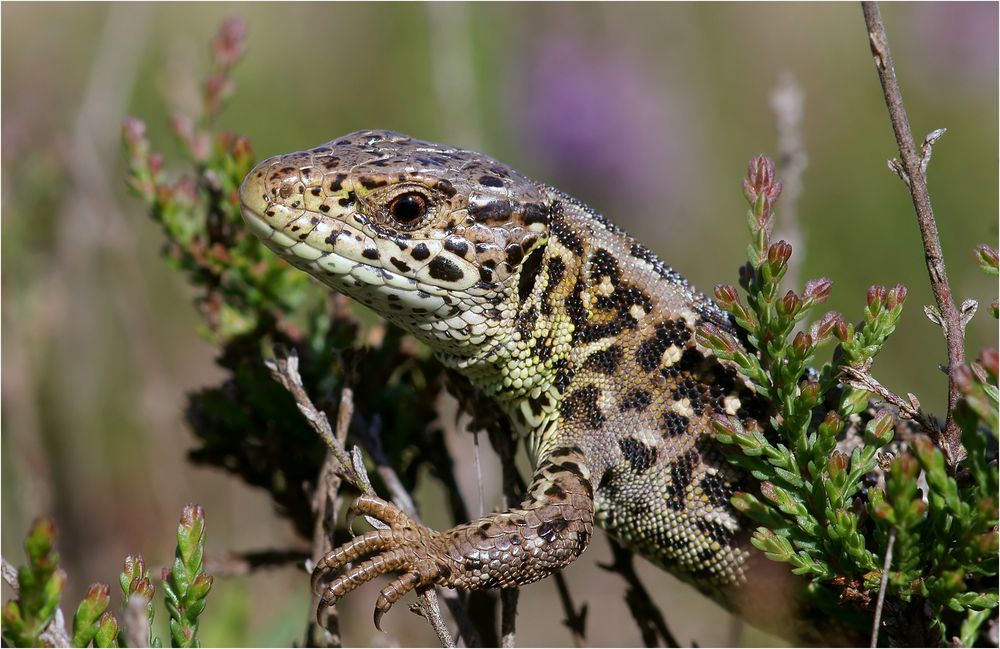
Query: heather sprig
185,583
40,585
31,620
831,501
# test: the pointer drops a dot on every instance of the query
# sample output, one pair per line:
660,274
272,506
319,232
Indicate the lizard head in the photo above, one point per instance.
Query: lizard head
439,240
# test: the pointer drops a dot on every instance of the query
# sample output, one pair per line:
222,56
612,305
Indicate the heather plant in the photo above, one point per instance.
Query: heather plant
853,493
33,617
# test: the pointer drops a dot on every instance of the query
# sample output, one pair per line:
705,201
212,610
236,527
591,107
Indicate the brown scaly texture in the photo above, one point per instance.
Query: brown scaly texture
578,332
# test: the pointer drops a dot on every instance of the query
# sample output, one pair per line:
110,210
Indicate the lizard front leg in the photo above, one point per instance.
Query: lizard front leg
552,527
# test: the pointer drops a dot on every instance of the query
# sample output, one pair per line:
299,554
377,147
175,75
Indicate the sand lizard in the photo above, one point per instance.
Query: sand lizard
577,331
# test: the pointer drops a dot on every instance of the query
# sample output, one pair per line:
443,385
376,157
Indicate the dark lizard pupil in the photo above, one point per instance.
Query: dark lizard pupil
407,208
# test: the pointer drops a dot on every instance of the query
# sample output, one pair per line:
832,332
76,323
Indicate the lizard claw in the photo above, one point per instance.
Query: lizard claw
403,546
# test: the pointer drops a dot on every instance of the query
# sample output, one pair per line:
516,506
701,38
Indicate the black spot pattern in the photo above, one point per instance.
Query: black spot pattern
581,406
605,361
671,332
444,269
639,455
681,474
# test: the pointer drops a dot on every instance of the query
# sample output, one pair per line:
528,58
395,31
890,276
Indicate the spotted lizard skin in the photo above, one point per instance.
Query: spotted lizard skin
578,332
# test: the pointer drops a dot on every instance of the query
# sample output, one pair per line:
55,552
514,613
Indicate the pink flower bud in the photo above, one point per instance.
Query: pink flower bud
726,295
817,290
876,296
133,130
896,296
779,253
987,256
790,304
802,343
824,327
988,359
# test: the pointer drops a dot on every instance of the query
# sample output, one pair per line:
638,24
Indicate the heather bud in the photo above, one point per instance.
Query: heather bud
823,328
790,304
726,295
988,359
836,465
779,253
988,258
905,465
809,392
896,296
876,297
133,131
817,290
228,44
155,164
880,430
802,343
761,180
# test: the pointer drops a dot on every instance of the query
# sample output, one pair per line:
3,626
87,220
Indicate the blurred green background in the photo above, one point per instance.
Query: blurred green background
648,112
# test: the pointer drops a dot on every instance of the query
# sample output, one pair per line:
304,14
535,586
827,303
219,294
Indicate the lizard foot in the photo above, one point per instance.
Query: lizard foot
405,546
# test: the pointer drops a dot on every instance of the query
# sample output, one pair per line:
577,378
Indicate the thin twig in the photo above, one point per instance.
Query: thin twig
786,103
886,564
649,618
912,170
909,408
284,370
508,617
135,622
10,576
237,564
324,631
402,498
575,620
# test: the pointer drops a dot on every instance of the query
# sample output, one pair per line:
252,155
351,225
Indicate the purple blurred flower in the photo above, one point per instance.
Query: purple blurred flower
955,42
595,119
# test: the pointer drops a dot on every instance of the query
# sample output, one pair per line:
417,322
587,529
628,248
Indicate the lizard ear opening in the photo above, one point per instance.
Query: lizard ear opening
529,272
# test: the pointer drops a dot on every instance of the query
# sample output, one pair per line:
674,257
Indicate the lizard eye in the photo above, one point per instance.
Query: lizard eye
408,208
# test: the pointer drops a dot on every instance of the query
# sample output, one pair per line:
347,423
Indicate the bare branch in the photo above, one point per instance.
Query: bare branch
787,101
10,576
652,625
909,408
135,622
886,564
340,464
508,617
914,167
236,564
575,620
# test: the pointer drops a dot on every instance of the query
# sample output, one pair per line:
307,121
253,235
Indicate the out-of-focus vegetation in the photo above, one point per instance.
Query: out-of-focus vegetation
646,112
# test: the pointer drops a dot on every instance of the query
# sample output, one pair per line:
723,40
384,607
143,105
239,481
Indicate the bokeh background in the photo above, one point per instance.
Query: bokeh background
648,112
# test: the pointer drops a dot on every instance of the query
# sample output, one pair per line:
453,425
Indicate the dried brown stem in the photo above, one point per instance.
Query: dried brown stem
508,617
886,564
909,408
912,171
237,564
786,104
135,623
339,464
10,576
649,618
575,620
